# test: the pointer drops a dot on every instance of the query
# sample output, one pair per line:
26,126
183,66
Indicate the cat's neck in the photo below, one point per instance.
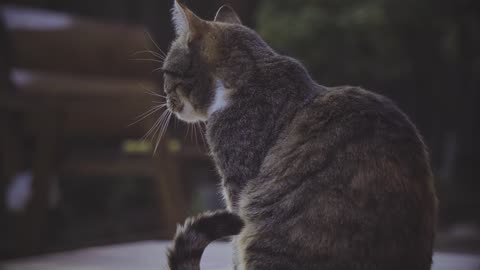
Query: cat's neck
266,71
244,129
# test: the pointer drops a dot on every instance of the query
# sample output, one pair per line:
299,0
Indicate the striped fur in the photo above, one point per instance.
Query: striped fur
194,236
328,178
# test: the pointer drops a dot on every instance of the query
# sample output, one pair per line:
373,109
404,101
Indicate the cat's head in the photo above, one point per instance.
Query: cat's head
192,66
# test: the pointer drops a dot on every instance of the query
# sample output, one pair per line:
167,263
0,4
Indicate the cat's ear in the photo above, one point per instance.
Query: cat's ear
185,21
226,14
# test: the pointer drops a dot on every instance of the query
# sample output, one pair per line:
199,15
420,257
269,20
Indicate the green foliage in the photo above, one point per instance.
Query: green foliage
344,41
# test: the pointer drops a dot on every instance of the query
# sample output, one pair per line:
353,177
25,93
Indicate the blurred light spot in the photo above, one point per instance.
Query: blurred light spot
174,146
34,19
136,146
19,192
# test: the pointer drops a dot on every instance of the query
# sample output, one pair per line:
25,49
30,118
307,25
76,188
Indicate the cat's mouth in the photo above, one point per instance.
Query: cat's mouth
183,110
174,104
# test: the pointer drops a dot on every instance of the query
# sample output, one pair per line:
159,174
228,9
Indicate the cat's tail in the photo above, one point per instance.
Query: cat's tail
196,234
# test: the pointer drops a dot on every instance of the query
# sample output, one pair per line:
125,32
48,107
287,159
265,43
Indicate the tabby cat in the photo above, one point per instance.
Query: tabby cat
313,177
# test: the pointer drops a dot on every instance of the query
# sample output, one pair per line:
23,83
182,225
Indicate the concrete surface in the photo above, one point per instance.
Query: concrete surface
150,255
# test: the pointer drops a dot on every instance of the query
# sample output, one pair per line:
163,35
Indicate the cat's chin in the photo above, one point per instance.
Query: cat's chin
189,118
189,115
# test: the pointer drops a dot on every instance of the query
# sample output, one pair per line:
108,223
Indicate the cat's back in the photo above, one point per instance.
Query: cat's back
355,106
350,169
347,118
357,132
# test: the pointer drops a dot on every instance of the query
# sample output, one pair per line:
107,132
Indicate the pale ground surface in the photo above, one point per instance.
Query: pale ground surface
150,255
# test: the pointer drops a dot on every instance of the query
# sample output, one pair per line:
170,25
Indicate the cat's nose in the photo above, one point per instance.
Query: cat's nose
173,103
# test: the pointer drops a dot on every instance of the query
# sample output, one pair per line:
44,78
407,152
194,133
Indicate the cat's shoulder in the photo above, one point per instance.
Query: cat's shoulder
355,100
352,94
354,105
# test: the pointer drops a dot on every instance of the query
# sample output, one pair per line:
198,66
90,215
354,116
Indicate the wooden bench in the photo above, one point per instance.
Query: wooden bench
67,78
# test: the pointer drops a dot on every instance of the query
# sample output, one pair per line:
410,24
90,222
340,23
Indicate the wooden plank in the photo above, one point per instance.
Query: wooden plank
60,42
91,106
103,118
43,83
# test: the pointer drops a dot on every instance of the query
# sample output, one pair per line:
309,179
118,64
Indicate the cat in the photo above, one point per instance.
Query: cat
313,177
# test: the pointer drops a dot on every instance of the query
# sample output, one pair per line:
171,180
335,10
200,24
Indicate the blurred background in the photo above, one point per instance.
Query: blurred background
75,74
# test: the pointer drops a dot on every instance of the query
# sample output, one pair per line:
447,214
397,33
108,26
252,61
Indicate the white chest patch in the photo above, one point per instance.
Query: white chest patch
220,99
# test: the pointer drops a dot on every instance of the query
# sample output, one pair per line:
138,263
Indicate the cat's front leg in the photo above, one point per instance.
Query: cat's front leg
231,189
229,194
236,257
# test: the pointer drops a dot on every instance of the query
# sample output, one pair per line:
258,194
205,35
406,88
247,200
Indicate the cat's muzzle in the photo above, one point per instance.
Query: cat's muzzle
174,104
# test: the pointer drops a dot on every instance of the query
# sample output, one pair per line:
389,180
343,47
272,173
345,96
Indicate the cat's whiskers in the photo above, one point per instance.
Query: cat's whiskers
175,123
148,60
157,69
163,129
153,130
202,135
160,126
188,129
159,57
152,93
194,127
195,130
156,45
145,137
154,54
148,113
